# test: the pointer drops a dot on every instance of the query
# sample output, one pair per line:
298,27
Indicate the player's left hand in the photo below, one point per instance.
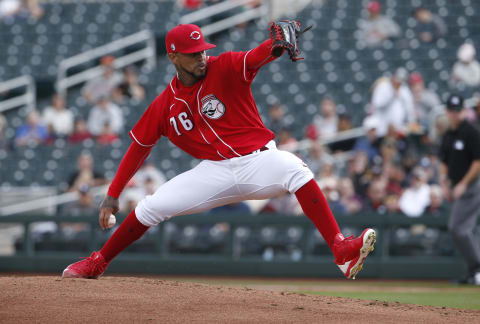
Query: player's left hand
459,190
284,35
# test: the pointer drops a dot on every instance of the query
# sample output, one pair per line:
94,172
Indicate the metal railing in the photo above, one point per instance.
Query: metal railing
27,99
222,7
156,254
47,202
148,53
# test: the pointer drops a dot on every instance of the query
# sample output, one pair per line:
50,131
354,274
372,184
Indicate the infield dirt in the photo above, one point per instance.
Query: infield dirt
50,299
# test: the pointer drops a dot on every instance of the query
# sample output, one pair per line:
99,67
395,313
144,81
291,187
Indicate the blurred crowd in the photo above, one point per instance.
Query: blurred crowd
102,121
392,168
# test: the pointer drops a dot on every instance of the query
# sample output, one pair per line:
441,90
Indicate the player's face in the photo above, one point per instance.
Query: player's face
190,66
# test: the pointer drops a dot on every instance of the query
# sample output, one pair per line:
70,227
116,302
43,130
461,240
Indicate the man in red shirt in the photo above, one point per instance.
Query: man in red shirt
208,111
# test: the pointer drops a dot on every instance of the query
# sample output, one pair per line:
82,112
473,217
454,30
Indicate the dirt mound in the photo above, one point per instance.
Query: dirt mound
49,299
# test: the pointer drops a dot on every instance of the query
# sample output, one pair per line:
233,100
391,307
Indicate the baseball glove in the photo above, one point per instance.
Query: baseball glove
284,35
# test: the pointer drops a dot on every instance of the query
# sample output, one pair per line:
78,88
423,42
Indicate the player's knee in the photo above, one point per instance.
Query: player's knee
151,213
297,173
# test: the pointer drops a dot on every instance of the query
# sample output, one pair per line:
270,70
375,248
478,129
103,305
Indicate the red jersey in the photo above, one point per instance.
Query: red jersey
214,119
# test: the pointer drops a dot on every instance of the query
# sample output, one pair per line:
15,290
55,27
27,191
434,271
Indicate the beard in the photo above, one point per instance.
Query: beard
196,74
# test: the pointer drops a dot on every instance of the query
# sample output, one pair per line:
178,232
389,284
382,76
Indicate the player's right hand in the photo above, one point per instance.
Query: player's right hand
108,207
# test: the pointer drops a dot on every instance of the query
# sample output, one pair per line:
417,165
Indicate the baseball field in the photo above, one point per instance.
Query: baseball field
128,299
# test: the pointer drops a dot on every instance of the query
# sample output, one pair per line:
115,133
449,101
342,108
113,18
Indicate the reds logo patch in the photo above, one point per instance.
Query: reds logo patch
212,107
195,35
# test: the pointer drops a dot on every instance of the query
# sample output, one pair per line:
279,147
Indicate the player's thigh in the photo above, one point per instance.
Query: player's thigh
273,172
206,186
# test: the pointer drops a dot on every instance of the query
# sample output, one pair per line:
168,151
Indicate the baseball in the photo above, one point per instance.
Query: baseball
112,221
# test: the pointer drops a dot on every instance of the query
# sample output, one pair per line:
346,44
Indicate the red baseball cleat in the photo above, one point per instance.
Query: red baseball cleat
89,268
350,252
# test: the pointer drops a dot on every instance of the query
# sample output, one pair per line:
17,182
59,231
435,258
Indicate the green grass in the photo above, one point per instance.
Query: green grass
464,298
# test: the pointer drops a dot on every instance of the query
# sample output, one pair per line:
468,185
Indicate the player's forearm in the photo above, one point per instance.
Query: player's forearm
472,173
261,55
131,162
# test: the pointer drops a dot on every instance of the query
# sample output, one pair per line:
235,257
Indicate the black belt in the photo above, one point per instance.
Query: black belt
259,150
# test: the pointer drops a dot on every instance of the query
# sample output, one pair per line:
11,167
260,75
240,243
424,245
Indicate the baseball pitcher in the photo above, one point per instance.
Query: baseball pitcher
208,111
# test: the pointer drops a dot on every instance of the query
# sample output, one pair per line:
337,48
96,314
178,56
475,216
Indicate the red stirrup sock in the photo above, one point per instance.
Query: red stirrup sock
315,206
128,232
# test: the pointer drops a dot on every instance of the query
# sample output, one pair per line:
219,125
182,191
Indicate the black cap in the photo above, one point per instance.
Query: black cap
455,102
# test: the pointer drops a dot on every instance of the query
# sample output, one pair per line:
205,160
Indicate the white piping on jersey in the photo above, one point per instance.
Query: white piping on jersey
221,155
199,111
139,142
188,110
256,67
171,106
245,65
186,104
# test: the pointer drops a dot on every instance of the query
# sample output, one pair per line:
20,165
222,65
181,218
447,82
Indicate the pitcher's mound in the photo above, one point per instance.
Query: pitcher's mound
50,299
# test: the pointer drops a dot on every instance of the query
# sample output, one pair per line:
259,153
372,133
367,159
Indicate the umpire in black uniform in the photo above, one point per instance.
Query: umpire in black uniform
460,154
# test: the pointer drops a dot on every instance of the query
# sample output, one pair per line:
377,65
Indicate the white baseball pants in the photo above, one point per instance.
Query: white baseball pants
210,184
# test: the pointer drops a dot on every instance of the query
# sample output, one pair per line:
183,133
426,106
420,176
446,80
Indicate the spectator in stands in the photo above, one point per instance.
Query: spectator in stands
344,122
130,198
59,117
376,196
149,177
329,186
370,142
80,132
440,127
3,128
437,205
286,140
108,136
84,206
466,71
317,157
429,27
391,203
348,198
32,132
105,112
130,88
389,152
377,28
392,103
85,174
416,197
358,171
283,204
426,103
9,8
103,85
276,120
325,125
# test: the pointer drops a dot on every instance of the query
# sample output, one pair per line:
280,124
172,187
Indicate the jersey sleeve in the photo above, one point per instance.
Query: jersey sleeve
150,127
247,64
238,61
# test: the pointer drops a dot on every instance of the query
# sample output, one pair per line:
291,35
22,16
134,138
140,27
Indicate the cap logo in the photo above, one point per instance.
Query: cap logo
172,46
455,101
195,35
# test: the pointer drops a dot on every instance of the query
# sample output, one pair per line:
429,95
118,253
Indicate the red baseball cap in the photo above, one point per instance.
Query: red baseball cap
415,77
186,39
374,6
